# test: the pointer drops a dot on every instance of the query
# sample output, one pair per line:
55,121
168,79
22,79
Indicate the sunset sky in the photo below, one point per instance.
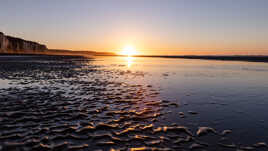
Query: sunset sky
151,26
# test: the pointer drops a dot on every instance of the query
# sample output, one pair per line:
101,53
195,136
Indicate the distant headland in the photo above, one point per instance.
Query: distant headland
9,44
13,45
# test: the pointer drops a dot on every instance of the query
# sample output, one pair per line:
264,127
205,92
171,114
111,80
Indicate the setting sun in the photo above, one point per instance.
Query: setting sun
129,50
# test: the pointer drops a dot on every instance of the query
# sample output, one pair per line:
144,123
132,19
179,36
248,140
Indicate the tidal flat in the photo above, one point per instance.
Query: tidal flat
132,104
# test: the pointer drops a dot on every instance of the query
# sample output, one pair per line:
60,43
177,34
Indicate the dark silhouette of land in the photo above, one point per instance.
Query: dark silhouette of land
225,58
12,45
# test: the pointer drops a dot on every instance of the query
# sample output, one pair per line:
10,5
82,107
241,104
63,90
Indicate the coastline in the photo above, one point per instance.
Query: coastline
221,58
244,58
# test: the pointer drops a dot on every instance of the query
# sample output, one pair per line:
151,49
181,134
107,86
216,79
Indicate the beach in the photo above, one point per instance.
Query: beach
129,103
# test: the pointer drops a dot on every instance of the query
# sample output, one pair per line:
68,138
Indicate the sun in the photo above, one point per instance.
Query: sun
129,50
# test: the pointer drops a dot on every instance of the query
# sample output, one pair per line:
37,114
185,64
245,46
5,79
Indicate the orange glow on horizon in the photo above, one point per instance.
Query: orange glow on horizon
128,50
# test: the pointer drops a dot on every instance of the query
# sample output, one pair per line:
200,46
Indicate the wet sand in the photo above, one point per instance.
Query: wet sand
74,103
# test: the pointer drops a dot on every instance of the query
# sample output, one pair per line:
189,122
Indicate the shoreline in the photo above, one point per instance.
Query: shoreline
221,58
243,58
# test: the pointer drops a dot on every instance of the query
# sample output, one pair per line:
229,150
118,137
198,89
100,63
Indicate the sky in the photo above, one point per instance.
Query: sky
151,26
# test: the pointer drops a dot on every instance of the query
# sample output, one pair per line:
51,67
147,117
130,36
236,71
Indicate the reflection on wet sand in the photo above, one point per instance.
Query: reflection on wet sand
70,103
129,61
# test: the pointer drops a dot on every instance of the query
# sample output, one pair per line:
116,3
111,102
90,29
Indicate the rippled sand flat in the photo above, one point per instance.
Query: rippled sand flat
76,103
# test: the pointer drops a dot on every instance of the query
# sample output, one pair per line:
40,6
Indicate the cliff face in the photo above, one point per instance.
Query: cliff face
1,41
13,44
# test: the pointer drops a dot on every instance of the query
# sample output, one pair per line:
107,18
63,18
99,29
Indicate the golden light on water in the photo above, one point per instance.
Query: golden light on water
129,50
129,61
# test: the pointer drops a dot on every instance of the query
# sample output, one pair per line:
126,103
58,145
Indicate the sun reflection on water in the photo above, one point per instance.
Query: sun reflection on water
129,61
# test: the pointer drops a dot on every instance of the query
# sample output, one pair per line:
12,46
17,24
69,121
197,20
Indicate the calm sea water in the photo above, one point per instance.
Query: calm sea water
225,94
